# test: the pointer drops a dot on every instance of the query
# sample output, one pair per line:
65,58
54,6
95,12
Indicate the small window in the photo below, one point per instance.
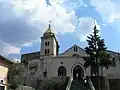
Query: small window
61,62
48,51
45,51
75,49
113,62
47,43
1,81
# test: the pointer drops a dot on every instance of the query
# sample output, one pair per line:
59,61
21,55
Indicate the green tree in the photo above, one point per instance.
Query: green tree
97,51
17,74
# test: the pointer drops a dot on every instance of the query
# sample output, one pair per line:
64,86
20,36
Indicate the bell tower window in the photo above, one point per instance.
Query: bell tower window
47,51
47,43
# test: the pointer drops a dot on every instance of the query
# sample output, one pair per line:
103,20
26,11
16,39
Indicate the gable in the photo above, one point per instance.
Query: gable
75,50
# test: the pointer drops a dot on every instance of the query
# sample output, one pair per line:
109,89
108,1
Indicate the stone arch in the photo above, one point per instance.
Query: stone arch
77,71
62,71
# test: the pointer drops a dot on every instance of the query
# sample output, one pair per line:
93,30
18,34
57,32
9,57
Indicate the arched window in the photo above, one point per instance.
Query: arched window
75,49
48,51
45,51
62,71
47,43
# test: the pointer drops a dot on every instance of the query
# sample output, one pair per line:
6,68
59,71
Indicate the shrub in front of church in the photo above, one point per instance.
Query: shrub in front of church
104,84
17,75
55,83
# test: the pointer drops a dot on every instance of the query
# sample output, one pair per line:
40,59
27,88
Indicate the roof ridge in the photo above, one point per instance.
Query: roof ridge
6,59
31,52
73,46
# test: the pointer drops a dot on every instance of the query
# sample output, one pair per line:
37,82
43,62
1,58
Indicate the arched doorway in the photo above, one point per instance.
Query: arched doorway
62,71
78,72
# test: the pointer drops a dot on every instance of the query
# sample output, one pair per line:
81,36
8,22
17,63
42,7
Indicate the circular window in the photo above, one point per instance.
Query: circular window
61,62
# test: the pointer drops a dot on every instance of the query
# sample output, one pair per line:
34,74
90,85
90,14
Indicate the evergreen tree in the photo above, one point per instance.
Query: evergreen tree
96,50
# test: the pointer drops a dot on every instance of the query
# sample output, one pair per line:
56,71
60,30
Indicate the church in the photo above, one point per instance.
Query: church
48,62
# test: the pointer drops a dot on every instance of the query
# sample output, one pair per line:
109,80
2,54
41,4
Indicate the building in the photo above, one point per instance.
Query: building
4,67
49,63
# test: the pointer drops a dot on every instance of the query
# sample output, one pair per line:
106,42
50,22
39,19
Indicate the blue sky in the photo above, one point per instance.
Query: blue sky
22,23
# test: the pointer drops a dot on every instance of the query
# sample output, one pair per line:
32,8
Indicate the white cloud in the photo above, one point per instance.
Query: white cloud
27,44
108,9
42,14
28,19
61,20
6,49
85,27
23,21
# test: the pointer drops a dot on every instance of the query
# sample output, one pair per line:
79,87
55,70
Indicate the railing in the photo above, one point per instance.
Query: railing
115,86
69,83
107,82
90,84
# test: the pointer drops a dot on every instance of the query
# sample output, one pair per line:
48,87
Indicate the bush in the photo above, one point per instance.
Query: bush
103,82
54,83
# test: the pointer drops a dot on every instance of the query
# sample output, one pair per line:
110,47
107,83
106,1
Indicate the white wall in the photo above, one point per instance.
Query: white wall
52,64
68,62
113,72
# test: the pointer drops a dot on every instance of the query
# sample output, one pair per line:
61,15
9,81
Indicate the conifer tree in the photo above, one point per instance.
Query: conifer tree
96,50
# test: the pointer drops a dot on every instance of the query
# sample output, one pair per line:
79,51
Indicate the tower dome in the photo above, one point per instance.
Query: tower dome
49,31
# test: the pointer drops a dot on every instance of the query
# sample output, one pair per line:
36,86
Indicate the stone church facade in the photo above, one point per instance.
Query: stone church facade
49,63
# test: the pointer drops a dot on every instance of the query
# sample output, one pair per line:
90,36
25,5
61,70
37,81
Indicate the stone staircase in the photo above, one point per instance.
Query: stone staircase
78,85
69,83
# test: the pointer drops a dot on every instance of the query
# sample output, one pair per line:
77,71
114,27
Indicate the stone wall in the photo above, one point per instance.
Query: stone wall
23,88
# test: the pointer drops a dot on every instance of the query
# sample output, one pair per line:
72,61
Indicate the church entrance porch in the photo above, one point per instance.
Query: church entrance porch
78,72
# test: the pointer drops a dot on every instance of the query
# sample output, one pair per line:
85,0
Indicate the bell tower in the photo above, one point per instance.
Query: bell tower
49,43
